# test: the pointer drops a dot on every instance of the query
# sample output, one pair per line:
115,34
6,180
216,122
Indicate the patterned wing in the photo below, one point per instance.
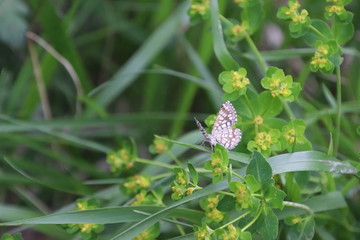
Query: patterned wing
229,137
226,117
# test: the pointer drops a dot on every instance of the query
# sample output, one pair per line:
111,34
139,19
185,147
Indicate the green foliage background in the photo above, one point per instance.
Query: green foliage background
132,69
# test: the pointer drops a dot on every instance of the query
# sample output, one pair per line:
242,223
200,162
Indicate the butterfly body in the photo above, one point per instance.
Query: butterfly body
222,131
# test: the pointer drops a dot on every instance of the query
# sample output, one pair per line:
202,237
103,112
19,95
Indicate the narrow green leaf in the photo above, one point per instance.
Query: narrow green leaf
56,181
333,200
309,161
154,218
153,45
221,52
106,216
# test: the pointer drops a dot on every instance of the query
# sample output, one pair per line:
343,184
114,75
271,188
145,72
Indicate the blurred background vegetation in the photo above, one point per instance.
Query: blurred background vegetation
78,77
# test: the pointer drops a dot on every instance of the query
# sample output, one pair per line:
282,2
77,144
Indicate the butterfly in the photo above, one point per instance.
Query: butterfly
222,131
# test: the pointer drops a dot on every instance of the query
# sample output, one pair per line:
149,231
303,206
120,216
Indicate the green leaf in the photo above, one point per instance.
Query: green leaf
304,230
193,173
107,216
342,32
269,106
13,25
292,187
274,197
311,37
260,169
252,184
49,178
309,161
253,15
226,204
221,52
268,228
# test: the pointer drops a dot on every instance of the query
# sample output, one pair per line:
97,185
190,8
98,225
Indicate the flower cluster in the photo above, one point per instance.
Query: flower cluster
159,146
148,198
293,138
280,85
242,195
337,8
212,214
236,32
199,10
234,83
135,184
300,21
181,186
203,232
323,55
88,231
149,234
232,232
266,142
123,159
218,164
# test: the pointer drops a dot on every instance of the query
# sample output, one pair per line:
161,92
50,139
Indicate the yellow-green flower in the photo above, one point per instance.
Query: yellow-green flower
299,20
337,8
258,120
218,164
293,138
234,83
159,146
123,159
214,215
242,195
203,232
135,184
265,142
229,233
321,59
236,32
149,234
199,10
280,85
87,231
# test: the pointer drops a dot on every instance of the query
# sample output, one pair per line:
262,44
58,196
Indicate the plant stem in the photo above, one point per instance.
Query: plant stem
318,32
253,220
227,193
239,176
338,109
299,205
160,176
225,20
288,111
252,45
234,220
155,163
256,52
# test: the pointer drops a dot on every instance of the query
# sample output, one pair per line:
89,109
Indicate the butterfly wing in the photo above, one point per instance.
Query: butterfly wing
226,117
229,137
